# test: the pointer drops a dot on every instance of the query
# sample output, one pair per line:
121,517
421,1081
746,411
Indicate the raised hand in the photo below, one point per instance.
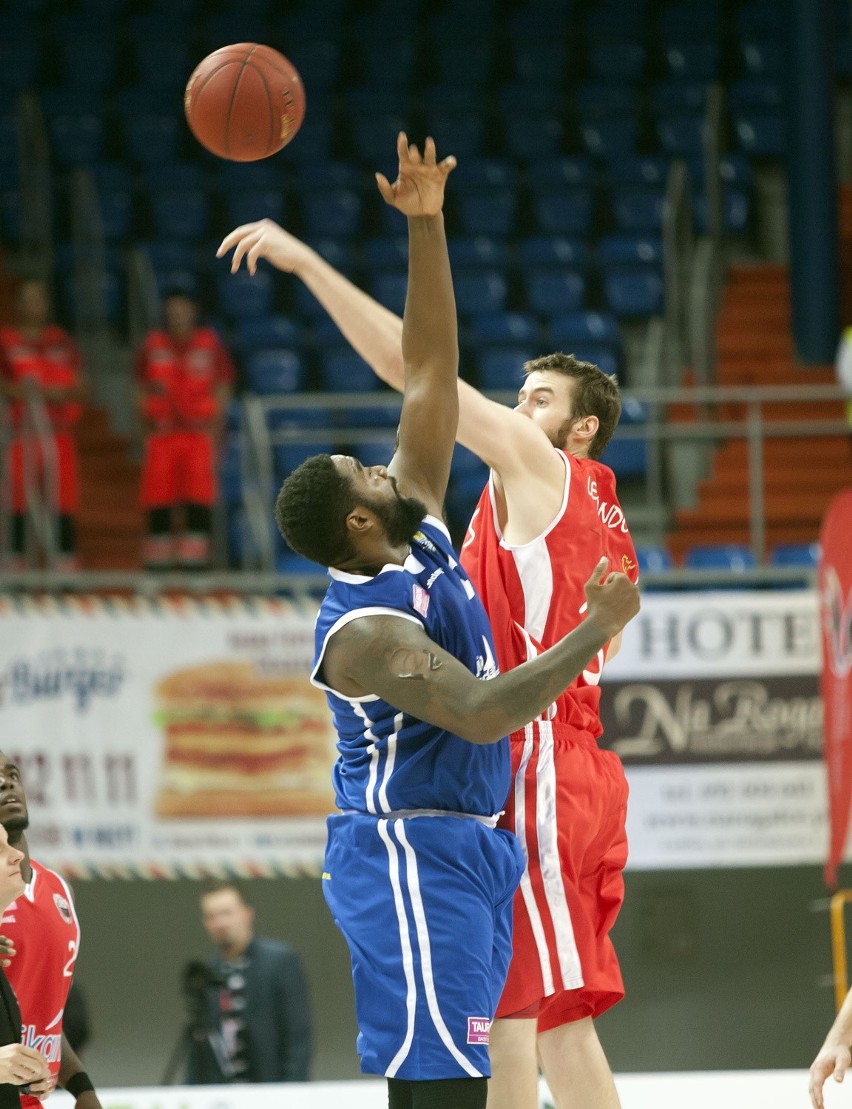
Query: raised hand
419,187
613,599
264,239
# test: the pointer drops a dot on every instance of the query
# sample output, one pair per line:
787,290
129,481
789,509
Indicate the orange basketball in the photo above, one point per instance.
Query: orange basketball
244,102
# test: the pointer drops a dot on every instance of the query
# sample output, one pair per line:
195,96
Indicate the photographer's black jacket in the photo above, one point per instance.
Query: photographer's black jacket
10,1033
278,1018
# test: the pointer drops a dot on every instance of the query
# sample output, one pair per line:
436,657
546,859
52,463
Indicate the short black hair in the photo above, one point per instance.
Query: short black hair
311,510
595,393
219,885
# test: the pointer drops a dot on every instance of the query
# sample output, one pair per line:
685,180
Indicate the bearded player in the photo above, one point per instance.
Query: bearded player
39,945
549,510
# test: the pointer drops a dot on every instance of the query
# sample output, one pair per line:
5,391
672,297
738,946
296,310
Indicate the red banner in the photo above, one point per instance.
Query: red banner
835,595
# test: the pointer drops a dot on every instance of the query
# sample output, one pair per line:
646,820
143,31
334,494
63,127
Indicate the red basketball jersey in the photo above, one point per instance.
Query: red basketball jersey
533,593
43,926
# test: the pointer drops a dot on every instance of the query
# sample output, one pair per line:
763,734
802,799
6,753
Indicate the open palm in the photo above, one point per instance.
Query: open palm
419,187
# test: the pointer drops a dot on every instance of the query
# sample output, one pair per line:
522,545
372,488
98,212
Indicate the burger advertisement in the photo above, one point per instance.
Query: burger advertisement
168,739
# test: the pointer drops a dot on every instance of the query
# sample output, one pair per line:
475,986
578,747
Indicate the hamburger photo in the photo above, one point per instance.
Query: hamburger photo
240,742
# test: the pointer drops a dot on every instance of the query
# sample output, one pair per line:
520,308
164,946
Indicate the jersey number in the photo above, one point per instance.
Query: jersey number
68,969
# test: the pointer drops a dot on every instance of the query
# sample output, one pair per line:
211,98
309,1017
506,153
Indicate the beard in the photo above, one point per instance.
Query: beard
16,825
400,518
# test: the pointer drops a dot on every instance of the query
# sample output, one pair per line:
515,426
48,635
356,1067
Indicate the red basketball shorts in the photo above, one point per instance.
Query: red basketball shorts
568,806
28,462
178,468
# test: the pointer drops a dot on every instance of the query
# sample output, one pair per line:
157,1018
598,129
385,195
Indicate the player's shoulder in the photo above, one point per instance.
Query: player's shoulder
433,535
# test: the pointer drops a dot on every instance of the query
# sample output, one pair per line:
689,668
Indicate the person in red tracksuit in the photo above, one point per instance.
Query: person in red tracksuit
184,376
36,354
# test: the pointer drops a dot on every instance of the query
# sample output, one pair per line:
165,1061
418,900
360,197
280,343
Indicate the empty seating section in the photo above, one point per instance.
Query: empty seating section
565,118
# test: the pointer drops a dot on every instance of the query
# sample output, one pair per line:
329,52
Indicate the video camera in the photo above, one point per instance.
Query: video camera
196,981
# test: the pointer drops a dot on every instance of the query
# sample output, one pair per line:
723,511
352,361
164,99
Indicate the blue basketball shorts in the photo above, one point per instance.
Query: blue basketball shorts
425,905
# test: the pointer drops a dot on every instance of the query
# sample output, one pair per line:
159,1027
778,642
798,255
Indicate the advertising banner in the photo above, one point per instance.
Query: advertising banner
182,737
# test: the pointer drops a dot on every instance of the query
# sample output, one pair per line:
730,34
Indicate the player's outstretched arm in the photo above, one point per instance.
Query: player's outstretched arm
500,437
834,1056
394,659
429,417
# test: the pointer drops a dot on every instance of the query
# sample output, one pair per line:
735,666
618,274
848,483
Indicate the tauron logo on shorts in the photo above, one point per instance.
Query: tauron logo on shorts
478,1029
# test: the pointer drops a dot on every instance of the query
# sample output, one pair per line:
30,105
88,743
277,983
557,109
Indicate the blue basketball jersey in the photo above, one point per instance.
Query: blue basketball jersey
390,761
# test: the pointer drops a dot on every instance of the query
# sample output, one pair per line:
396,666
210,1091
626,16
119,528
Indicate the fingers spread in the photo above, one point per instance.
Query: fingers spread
384,188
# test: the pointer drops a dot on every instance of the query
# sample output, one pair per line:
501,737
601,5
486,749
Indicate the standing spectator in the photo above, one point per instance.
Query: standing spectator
255,1007
39,357
184,377
39,946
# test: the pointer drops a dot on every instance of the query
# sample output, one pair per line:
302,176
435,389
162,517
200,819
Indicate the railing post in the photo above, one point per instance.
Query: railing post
757,500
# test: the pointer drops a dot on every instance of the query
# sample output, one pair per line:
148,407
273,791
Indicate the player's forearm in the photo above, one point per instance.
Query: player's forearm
513,699
370,328
429,328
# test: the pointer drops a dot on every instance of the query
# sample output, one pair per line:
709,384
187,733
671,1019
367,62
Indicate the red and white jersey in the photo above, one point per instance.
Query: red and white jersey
43,926
533,593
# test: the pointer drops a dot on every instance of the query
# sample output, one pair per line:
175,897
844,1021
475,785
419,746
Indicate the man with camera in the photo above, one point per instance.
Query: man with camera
248,1008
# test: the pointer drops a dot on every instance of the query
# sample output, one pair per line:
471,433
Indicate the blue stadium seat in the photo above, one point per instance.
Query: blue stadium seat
242,294
479,250
567,212
89,62
644,169
730,556
331,212
289,456
588,328
162,61
389,288
77,140
561,171
531,135
459,62
630,250
150,139
345,371
761,134
605,97
254,204
167,254
484,173
314,145
174,175
681,22
317,60
180,213
638,209
133,101
653,559
696,61
385,252
762,18
327,174
681,135
266,332
610,136
677,94
553,250
627,458
374,135
545,61
112,291
613,55
459,133
805,555
275,371
501,367
337,252
19,66
633,293
117,212
764,57
480,291
487,212
373,97
553,291
754,92
736,208
519,328
526,97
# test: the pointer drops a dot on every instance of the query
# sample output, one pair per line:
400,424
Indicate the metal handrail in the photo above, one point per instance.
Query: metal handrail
40,479
754,428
